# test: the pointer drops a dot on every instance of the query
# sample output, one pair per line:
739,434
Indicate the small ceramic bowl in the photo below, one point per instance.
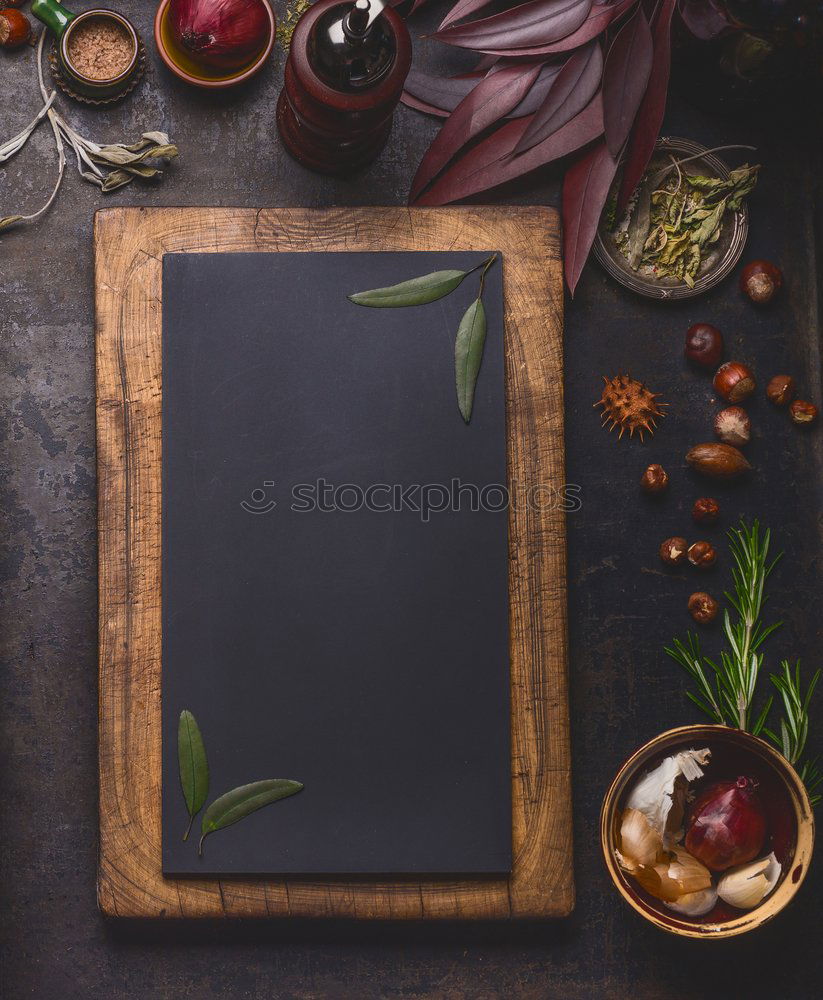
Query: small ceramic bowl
789,820
66,24
181,65
726,254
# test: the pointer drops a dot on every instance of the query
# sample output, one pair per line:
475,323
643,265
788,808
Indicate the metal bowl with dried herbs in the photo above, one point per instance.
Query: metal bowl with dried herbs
685,225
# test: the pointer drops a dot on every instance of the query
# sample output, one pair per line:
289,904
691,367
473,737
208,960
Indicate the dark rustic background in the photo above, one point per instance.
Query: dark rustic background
622,606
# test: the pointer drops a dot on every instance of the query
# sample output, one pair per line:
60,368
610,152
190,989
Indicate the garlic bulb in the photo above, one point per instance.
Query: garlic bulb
747,885
659,790
695,904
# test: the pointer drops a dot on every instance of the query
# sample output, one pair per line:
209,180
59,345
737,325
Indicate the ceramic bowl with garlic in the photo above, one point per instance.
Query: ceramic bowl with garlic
707,831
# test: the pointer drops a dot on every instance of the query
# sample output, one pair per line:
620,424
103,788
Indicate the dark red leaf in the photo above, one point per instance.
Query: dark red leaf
440,91
704,19
599,18
460,10
528,24
585,190
489,163
492,99
650,115
427,109
535,97
575,85
625,77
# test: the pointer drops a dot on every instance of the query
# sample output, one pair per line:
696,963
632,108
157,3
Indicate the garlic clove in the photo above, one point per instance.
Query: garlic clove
745,886
695,904
640,844
676,875
658,790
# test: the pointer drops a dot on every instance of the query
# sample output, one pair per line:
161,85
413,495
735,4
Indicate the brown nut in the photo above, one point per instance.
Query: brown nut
704,345
703,607
706,510
803,412
15,28
720,461
702,555
673,551
733,426
654,480
781,390
761,281
734,381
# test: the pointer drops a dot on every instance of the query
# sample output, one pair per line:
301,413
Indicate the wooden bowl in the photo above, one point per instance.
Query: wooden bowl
789,819
181,65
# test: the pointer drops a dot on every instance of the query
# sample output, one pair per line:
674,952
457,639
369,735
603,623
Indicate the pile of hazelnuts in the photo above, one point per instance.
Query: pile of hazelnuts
734,382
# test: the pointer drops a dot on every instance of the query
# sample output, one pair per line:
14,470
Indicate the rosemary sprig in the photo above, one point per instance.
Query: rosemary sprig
794,726
729,699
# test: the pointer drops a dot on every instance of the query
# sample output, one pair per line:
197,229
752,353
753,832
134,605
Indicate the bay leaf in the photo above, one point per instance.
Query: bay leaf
414,292
9,220
194,767
468,355
242,801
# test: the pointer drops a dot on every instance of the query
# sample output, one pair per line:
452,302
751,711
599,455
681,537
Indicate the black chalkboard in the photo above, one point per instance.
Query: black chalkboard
360,650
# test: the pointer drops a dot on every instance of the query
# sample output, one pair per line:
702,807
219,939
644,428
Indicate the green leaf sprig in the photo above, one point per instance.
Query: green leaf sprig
233,805
725,690
471,334
194,767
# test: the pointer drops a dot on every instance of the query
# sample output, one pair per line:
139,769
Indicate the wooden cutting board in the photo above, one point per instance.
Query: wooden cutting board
129,247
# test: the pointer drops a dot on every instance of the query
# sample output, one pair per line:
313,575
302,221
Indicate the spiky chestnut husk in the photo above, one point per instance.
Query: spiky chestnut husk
629,405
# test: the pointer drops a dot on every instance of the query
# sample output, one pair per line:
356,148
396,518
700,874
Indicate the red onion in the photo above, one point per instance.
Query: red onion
726,825
220,34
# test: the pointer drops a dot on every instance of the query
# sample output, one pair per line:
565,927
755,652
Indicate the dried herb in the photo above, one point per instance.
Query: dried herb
108,166
194,768
471,334
676,218
243,801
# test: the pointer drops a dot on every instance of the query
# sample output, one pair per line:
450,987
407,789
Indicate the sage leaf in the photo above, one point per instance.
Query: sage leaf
242,801
468,354
414,292
194,768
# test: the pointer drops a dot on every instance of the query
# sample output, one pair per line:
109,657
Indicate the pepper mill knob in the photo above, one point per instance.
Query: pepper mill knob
345,73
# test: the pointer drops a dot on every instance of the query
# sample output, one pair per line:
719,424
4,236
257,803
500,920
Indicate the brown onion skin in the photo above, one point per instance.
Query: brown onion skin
220,34
726,825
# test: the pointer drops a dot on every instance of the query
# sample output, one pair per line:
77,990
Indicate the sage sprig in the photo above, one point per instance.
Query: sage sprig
109,166
471,334
241,801
193,765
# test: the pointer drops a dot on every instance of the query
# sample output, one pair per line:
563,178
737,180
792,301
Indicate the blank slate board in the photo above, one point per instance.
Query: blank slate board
335,565
130,247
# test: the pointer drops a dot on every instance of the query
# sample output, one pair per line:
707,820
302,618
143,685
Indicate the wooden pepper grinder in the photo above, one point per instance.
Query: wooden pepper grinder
344,76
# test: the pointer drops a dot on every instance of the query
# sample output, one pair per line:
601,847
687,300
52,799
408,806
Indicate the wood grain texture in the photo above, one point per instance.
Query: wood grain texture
130,244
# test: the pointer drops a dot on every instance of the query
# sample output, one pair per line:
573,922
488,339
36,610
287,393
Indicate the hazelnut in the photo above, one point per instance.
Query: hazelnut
15,28
673,551
803,412
706,510
734,381
654,480
733,426
780,390
704,345
702,555
703,607
761,281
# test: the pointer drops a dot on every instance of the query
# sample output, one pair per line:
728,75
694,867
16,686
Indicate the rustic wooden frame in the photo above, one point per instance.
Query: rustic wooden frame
130,243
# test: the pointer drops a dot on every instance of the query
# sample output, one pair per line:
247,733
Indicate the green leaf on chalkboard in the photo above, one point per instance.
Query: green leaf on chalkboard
194,768
415,292
468,354
241,801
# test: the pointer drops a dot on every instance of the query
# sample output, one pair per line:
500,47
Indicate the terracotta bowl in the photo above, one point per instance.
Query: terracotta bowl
789,820
181,65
